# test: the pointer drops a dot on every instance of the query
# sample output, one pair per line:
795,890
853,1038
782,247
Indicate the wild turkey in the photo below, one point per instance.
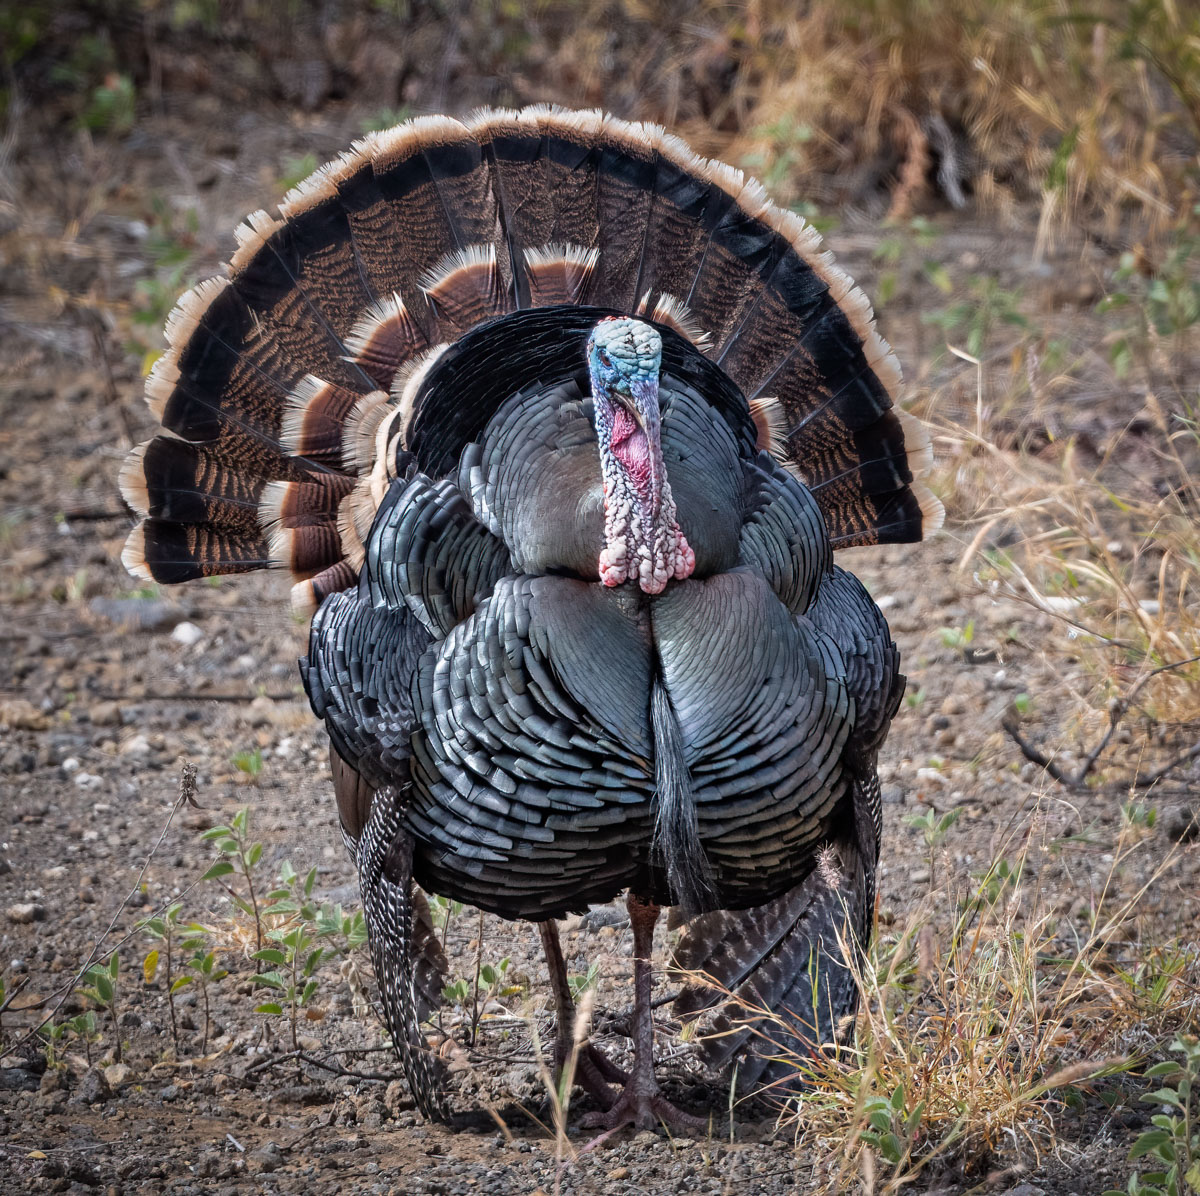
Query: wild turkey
555,425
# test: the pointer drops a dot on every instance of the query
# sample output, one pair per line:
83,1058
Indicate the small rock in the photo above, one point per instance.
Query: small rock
1183,824
105,714
619,1173
93,1088
117,1074
26,911
20,715
137,614
169,1093
17,1079
1024,1190
893,795
187,634
139,745
266,1158
88,780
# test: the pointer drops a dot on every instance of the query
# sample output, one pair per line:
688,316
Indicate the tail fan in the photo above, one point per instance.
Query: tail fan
419,233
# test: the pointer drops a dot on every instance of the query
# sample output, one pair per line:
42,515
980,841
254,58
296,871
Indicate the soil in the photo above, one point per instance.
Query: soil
105,690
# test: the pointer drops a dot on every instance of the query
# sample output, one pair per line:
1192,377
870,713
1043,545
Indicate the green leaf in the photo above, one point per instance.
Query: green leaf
309,881
1149,1141
310,988
254,854
268,1007
217,832
1163,1069
219,869
105,990
269,980
270,955
939,276
176,985
1164,1096
314,958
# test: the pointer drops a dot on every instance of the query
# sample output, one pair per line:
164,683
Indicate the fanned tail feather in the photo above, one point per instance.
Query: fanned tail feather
420,233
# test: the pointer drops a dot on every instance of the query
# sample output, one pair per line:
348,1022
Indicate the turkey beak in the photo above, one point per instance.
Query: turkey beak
626,403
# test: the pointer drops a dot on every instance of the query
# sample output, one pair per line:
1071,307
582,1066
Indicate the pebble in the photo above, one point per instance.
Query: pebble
187,634
93,1088
26,911
105,714
88,780
137,614
139,745
117,1074
266,1158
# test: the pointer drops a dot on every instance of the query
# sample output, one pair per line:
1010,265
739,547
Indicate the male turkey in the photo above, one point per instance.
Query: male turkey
555,425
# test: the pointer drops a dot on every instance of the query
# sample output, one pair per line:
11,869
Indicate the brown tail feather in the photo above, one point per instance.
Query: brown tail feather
421,232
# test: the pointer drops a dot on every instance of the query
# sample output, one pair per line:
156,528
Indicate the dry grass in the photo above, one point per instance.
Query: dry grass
987,1012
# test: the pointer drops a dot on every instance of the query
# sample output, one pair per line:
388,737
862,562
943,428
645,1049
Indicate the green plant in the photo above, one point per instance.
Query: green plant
296,170
1174,1142
892,1128
385,118
975,318
111,105
82,1027
309,934
1163,304
204,970
1139,813
581,982
239,857
165,928
100,986
958,638
249,763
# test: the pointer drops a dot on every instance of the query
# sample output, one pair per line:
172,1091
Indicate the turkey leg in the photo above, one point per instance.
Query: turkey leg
642,1103
593,1069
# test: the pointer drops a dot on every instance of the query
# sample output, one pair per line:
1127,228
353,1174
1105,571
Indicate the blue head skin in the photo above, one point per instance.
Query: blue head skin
643,541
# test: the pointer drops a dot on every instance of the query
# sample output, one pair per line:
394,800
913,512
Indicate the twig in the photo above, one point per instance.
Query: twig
1117,711
304,1057
1033,755
1191,754
187,782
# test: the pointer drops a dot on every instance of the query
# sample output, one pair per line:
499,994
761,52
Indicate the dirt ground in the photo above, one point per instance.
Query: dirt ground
105,689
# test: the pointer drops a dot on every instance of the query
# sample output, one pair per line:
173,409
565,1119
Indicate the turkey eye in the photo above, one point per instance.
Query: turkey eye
605,360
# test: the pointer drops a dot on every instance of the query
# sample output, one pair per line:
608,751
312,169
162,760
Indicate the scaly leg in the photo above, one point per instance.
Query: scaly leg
592,1067
642,1103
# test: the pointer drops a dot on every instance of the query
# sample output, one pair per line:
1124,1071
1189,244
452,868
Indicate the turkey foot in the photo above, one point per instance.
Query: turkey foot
642,1103
594,1071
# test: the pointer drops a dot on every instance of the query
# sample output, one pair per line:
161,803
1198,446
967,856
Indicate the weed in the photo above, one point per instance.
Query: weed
100,986
1175,1138
81,1028
249,764
239,857
164,928
307,935
975,319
